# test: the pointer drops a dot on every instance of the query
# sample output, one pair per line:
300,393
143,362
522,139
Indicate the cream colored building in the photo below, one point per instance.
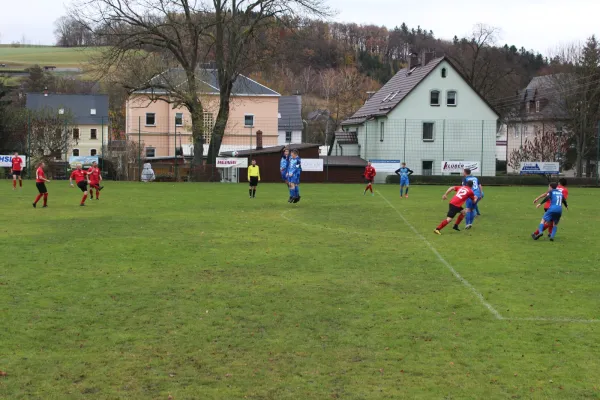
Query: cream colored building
163,127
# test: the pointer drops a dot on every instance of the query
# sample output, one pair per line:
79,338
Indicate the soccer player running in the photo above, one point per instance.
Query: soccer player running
95,177
562,186
253,178
81,179
294,170
369,175
283,166
40,183
404,172
471,204
463,193
16,169
554,212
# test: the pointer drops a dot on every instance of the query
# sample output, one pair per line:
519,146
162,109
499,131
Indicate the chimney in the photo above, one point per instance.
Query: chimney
370,94
259,144
426,57
413,61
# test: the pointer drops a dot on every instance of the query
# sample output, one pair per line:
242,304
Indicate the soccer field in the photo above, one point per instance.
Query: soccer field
197,291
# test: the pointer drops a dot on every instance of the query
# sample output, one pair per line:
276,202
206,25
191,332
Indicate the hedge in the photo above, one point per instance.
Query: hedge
506,180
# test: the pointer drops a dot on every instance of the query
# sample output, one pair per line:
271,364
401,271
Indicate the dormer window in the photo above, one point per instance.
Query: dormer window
434,98
443,72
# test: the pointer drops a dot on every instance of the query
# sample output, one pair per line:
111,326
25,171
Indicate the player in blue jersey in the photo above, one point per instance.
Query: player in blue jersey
283,165
556,199
471,204
404,172
294,170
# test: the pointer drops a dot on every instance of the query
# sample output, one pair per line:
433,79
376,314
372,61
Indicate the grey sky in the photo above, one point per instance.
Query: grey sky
534,24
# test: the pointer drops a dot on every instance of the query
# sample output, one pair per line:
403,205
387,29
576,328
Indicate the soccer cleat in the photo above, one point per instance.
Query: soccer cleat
437,232
298,199
34,205
82,205
536,237
365,192
455,227
468,226
291,199
45,207
100,188
551,239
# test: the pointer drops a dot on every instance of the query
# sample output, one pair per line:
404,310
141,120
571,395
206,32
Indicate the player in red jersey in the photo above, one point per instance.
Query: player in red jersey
16,169
562,186
40,183
95,177
369,177
81,179
455,207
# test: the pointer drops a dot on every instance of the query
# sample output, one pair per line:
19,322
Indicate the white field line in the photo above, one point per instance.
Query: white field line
472,288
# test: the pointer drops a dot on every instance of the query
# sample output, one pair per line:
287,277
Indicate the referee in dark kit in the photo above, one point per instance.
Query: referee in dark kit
253,178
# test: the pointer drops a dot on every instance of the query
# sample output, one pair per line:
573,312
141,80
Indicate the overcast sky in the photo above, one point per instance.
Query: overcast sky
540,25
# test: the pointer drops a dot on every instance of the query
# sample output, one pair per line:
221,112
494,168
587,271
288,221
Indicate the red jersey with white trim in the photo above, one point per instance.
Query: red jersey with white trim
78,175
462,194
17,163
370,172
563,190
94,174
39,174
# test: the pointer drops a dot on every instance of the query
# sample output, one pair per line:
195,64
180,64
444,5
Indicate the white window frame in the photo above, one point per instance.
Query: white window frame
381,130
92,111
444,73
91,155
92,130
146,152
525,130
176,114
432,166
537,106
146,119
516,131
455,98
73,151
432,132
286,136
246,125
430,99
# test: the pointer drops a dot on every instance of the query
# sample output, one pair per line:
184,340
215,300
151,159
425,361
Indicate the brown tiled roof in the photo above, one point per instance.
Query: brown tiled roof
346,137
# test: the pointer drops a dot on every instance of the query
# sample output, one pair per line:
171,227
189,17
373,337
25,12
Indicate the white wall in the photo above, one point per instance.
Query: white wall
466,132
296,138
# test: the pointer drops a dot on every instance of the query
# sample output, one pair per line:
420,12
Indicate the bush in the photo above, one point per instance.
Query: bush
165,178
507,180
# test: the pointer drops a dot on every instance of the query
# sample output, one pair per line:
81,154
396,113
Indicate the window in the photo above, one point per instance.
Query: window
61,111
527,107
394,95
179,119
76,133
248,120
443,72
537,106
75,152
288,137
150,119
93,152
381,130
427,168
434,98
525,130
150,152
93,111
93,134
516,131
428,131
451,98
208,126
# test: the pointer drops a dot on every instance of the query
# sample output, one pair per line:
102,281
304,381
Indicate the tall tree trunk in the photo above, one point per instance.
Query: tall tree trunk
220,124
197,114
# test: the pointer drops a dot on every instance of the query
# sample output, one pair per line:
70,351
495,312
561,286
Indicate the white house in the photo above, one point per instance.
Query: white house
427,113
290,120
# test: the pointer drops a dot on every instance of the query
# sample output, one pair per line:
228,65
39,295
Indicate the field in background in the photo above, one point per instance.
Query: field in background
61,57
197,291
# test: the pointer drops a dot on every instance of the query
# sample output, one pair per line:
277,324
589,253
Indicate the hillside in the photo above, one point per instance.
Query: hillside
61,57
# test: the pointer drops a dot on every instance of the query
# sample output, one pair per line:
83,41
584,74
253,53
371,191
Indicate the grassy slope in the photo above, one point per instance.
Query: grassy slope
197,291
57,56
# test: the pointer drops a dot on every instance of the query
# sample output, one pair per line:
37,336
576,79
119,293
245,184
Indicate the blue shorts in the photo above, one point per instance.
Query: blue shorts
284,176
470,204
295,179
404,182
550,216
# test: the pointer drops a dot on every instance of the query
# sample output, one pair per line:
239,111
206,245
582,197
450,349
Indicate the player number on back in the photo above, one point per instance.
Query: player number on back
559,199
461,193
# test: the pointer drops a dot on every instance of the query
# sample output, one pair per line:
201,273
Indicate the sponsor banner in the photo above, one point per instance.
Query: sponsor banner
232,162
312,164
6,161
85,161
537,168
385,165
459,166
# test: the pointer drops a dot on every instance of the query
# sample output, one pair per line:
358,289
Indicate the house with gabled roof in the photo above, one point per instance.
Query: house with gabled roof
427,113
290,120
165,128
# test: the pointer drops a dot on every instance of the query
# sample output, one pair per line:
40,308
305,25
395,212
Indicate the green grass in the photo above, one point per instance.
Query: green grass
197,291
46,55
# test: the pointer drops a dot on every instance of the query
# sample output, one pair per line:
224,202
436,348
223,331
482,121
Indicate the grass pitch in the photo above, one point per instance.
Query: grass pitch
196,291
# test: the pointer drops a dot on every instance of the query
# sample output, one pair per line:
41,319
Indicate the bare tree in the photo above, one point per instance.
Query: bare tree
547,146
51,133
